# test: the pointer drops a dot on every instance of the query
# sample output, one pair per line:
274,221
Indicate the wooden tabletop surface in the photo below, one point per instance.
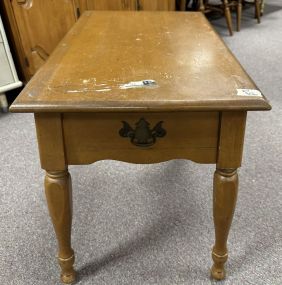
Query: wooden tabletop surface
140,61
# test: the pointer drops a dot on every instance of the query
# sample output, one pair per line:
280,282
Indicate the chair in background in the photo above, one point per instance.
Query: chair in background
259,5
224,7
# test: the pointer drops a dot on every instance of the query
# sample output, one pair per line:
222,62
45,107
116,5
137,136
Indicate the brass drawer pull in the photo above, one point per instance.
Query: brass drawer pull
142,136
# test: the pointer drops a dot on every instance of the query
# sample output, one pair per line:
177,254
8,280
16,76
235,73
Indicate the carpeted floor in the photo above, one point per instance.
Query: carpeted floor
152,224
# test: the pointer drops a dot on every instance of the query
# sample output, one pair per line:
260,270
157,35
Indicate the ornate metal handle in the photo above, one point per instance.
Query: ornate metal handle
142,136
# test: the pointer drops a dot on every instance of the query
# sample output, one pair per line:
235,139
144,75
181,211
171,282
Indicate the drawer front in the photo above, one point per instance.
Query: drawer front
6,75
140,138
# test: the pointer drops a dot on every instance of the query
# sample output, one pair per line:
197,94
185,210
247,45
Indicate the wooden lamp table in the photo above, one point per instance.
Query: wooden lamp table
140,87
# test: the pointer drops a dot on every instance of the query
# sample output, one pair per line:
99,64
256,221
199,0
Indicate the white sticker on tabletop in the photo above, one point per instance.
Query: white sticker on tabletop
249,92
139,84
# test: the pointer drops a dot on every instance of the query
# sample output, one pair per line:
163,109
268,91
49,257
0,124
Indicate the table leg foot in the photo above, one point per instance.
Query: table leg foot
224,201
68,274
217,270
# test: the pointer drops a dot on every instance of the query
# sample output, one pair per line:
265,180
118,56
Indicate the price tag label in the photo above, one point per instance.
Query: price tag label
249,92
139,84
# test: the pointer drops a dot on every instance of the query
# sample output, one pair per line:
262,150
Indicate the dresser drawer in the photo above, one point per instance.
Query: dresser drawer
140,138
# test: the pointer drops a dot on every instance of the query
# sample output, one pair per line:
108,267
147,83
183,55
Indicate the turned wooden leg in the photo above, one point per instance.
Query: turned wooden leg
239,14
59,198
228,16
258,9
224,201
201,6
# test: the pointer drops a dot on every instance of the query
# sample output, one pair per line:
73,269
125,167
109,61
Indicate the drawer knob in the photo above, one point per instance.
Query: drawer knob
142,136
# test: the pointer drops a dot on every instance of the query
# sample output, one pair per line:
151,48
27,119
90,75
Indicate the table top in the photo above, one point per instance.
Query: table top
140,61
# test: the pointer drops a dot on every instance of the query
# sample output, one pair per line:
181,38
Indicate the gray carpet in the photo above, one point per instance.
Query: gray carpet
152,224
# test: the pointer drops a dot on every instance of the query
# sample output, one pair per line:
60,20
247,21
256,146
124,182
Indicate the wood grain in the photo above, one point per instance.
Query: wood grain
50,141
58,191
224,201
16,43
108,5
80,107
192,67
156,5
143,5
42,24
92,137
231,141
230,150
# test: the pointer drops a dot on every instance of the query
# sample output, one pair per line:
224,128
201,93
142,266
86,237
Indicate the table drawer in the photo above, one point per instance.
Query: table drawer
141,138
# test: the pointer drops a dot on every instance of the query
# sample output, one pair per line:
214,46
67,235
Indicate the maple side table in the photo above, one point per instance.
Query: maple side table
142,88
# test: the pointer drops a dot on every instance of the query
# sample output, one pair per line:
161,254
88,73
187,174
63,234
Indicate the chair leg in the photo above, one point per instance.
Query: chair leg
228,16
258,9
201,6
182,5
239,14
262,7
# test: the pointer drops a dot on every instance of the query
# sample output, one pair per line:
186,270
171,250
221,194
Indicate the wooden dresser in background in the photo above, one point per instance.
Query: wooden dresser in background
37,26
